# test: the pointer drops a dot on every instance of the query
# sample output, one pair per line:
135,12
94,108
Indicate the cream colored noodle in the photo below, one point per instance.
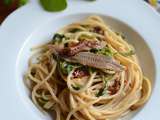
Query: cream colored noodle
50,92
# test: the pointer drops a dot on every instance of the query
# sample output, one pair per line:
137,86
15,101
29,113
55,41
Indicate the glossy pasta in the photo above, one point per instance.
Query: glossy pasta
87,72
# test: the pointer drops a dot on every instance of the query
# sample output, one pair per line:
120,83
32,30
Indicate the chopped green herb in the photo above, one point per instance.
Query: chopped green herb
121,34
109,77
84,36
85,26
94,50
76,87
33,73
117,33
102,91
53,5
42,101
66,67
74,30
123,37
104,51
58,38
129,53
91,70
69,68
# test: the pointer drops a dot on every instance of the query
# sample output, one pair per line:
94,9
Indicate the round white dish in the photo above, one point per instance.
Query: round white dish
31,25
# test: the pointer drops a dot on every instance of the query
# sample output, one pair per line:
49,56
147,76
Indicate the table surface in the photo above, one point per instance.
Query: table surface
5,10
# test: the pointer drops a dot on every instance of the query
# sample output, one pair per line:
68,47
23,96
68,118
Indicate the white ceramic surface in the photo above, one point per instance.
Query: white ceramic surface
31,25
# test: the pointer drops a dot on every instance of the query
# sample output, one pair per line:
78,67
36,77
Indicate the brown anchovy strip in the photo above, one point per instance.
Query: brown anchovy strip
82,46
96,61
76,55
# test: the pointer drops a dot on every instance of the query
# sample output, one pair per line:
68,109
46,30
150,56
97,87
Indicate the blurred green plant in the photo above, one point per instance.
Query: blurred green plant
20,2
48,5
54,5
7,2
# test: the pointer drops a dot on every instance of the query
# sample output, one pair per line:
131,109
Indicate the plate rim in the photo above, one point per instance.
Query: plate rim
8,23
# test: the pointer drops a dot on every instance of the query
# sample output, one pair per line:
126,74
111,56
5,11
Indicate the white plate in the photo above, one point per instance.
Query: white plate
31,25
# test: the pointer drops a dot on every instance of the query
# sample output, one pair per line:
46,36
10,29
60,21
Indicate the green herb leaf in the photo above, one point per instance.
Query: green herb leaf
42,101
76,86
58,38
69,68
104,51
66,67
102,91
54,5
91,69
74,30
94,50
121,34
129,53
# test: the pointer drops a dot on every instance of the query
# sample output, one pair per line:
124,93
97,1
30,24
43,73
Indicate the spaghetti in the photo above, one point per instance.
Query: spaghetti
87,72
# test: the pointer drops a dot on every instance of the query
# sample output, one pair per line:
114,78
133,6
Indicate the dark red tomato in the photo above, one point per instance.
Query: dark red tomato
78,73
